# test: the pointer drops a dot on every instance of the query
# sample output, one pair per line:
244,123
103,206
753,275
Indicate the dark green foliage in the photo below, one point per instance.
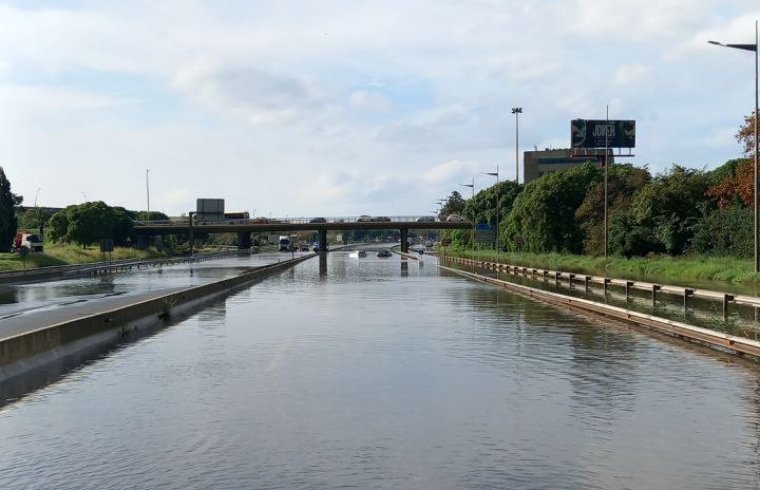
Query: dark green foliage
151,216
670,206
725,232
623,183
33,218
453,205
629,238
8,221
90,222
543,216
483,206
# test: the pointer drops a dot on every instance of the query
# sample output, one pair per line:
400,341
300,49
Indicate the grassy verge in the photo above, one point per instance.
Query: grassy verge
663,269
61,254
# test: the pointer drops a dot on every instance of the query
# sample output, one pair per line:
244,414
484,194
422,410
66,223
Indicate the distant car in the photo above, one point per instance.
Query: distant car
454,218
381,219
384,253
429,244
317,220
304,247
364,219
425,219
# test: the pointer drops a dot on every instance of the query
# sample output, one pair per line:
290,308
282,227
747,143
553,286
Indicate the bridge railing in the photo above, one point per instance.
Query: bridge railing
298,220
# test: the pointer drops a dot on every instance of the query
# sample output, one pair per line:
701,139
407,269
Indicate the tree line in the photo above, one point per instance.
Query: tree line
679,211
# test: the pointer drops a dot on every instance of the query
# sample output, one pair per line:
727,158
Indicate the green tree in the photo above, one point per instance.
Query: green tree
622,184
453,205
33,218
670,206
8,221
711,236
543,216
88,223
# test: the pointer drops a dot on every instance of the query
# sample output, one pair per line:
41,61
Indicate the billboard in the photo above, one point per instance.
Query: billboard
209,210
600,133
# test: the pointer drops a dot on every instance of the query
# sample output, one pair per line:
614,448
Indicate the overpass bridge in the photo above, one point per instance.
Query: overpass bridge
244,227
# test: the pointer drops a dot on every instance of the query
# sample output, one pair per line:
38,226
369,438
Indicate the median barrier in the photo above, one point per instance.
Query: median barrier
33,349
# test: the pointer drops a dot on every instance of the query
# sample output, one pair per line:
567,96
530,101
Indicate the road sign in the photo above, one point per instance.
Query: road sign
485,233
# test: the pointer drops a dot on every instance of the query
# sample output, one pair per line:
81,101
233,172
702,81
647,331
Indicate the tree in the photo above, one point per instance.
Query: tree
543,216
670,206
453,205
746,135
483,206
90,222
8,221
623,182
733,183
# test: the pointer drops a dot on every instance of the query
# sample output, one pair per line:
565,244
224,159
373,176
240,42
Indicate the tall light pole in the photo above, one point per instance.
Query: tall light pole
517,111
752,47
472,206
496,174
147,188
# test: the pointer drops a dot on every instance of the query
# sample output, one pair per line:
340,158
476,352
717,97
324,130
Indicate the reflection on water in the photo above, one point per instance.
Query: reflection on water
365,376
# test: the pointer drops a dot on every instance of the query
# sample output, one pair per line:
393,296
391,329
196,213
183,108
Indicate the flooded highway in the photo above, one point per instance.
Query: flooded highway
379,373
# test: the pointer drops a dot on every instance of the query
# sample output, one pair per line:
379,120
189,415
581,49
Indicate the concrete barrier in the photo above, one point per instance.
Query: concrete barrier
33,349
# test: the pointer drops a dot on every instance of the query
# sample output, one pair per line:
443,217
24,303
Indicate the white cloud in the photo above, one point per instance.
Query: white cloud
369,100
348,106
631,74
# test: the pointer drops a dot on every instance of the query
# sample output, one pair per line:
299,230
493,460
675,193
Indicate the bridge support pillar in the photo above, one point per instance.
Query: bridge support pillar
405,240
322,240
244,240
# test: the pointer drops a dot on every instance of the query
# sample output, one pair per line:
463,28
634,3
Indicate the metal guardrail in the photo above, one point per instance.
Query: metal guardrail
704,336
685,293
28,275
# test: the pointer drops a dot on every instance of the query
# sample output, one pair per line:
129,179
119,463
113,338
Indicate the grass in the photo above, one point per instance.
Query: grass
65,254
687,270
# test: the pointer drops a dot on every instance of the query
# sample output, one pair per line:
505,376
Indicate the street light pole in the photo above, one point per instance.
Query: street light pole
496,174
752,47
147,188
517,111
472,206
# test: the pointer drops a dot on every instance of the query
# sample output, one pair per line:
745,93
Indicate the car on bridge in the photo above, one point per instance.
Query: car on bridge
380,219
454,218
317,220
425,219
364,219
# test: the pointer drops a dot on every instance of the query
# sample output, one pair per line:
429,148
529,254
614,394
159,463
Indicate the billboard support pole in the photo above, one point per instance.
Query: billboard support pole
606,172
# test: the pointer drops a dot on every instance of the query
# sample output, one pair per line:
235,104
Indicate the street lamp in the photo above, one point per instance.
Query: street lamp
751,47
517,111
472,206
147,188
496,174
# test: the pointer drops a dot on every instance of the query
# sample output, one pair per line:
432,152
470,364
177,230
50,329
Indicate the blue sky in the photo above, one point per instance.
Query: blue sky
340,108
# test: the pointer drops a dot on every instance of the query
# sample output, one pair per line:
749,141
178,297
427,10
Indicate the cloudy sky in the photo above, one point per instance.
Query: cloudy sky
339,108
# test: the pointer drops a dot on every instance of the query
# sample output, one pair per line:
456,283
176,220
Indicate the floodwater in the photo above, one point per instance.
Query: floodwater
375,373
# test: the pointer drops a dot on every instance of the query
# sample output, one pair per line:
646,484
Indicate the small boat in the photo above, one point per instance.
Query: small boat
384,253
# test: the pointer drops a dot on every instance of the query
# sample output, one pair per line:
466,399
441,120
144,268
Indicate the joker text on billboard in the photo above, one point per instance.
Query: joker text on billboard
599,133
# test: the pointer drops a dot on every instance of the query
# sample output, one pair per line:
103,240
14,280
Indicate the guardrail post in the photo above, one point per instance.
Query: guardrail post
556,278
628,285
606,282
533,274
546,275
570,280
727,298
586,279
655,288
686,293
